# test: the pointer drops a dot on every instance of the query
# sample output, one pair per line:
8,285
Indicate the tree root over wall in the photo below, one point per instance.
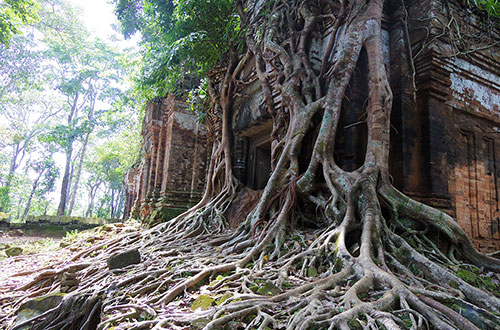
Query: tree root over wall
369,258
313,280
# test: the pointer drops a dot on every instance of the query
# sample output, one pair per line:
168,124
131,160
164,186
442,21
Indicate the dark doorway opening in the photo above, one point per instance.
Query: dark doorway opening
259,162
352,132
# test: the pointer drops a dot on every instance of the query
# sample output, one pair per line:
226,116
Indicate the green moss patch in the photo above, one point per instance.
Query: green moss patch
203,301
268,289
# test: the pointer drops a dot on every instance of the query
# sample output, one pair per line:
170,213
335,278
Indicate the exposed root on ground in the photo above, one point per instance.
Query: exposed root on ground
318,280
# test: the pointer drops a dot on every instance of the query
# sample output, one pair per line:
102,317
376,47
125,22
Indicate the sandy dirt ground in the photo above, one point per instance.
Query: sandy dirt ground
27,264
6,237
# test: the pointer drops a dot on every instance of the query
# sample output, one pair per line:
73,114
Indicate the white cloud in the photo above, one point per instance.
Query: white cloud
99,17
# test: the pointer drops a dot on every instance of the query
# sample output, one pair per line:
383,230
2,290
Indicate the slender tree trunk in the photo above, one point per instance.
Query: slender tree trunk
83,151
118,199
61,210
33,189
46,208
111,203
120,204
93,191
13,164
102,203
78,174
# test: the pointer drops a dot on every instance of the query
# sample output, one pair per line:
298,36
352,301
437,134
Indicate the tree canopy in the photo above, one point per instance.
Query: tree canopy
62,92
181,40
14,13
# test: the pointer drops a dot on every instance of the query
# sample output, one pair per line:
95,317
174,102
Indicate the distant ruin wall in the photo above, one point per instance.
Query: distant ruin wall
66,222
171,175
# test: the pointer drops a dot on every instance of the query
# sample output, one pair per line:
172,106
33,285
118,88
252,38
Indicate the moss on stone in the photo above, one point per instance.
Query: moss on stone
225,297
203,301
37,306
269,289
312,272
163,214
254,288
200,323
14,251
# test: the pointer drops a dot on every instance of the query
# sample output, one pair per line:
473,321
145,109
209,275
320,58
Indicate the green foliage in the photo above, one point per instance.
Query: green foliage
474,276
12,14
492,7
111,160
20,66
197,100
106,166
61,135
181,40
4,198
46,167
72,235
61,89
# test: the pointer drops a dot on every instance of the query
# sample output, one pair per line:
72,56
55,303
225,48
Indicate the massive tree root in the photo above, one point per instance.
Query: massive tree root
368,258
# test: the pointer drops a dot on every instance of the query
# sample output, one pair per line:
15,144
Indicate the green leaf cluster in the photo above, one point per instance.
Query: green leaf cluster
181,40
12,14
492,7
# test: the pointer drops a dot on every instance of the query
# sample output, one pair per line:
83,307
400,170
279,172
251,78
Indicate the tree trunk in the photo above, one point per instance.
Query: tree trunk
83,151
93,191
120,204
78,174
61,209
33,189
66,182
14,164
112,203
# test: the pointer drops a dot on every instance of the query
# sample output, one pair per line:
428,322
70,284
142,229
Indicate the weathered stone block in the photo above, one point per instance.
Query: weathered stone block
124,259
14,251
38,306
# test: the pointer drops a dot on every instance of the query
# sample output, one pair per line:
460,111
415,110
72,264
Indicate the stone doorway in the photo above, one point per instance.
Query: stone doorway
259,161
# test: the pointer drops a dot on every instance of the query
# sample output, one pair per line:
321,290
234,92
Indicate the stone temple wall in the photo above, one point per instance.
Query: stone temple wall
445,137
171,175
446,142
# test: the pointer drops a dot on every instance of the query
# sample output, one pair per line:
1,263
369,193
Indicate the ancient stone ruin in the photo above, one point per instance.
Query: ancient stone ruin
445,127
171,176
